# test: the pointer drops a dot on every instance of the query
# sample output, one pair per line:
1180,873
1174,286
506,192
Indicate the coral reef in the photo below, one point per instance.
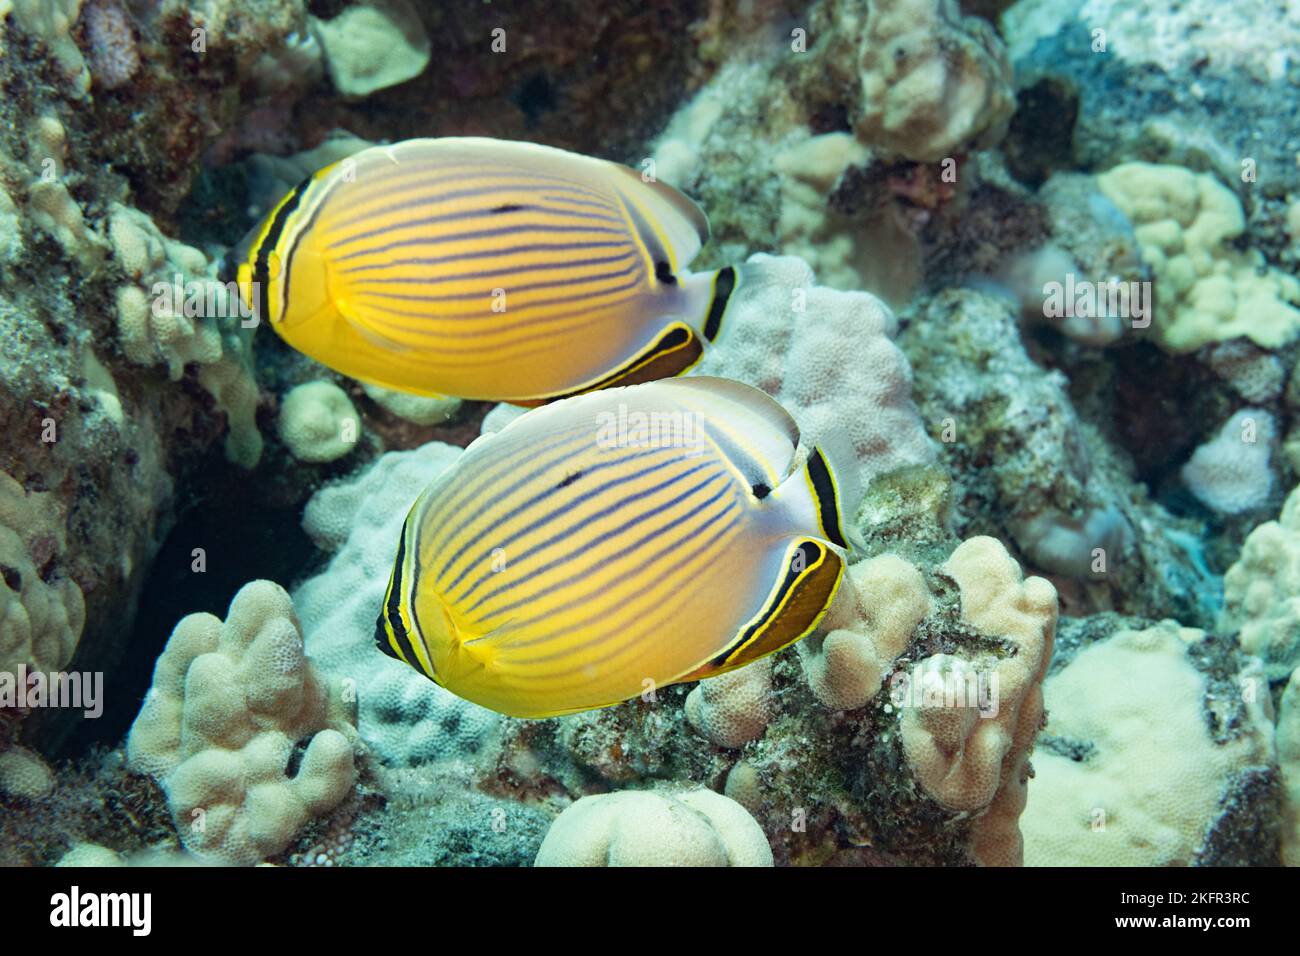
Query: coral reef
219,730
793,339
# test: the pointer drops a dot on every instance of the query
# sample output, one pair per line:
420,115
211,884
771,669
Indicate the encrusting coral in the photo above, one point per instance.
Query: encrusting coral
648,828
220,728
1132,769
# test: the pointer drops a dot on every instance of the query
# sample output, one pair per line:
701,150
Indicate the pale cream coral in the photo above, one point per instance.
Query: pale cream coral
1135,778
229,703
934,82
417,409
24,774
318,422
733,709
1207,289
41,618
882,601
1230,473
231,383
643,828
1261,591
973,754
1288,759
373,46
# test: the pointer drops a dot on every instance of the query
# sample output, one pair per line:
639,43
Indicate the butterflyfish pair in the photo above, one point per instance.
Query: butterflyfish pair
617,542
485,269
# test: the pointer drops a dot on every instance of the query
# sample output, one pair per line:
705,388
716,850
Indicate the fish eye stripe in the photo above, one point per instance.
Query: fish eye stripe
723,285
266,245
826,495
393,608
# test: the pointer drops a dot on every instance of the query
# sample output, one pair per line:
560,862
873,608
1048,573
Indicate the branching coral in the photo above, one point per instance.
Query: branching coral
1261,592
41,615
220,729
863,636
1207,289
638,828
974,754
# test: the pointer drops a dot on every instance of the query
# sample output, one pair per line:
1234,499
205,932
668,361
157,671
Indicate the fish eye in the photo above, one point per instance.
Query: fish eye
664,273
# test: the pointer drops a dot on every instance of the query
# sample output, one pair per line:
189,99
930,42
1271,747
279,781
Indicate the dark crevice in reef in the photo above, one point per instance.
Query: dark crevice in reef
242,540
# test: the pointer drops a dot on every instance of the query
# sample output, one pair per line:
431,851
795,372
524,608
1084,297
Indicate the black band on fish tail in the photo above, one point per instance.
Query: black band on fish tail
828,505
723,285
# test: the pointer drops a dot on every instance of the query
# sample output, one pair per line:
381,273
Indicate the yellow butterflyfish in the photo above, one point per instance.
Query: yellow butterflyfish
626,539
485,269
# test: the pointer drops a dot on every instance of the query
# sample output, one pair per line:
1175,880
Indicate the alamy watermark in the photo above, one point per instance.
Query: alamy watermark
1085,299
628,428
26,689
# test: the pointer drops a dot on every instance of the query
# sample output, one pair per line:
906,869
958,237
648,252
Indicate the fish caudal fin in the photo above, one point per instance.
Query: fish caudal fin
808,577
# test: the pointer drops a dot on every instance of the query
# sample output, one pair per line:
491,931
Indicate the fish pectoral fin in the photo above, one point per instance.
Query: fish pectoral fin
801,595
365,330
673,350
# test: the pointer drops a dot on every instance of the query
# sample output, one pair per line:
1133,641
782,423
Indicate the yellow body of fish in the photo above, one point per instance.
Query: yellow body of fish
485,269
613,543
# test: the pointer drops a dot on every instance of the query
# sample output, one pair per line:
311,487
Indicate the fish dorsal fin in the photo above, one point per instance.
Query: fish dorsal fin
676,223
750,427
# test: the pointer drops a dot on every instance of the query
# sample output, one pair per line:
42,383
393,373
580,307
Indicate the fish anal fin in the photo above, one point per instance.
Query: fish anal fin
674,350
795,605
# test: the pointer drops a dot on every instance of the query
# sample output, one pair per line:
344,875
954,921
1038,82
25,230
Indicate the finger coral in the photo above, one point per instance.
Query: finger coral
318,422
241,731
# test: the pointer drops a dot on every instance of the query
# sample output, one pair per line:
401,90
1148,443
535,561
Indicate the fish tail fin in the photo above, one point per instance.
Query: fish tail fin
708,294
